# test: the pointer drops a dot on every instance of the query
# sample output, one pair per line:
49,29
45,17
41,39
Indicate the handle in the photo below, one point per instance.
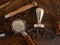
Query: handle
28,38
33,4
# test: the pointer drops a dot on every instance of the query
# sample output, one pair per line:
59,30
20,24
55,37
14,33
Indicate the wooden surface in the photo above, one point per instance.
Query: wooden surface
13,40
16,40
29,16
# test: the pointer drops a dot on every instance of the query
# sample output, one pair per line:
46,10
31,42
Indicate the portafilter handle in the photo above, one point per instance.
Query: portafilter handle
18,26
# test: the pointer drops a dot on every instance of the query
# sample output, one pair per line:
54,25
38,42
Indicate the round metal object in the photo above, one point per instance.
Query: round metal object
18,26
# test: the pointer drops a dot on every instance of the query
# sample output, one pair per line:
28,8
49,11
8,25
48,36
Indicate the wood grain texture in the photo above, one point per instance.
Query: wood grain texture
50,16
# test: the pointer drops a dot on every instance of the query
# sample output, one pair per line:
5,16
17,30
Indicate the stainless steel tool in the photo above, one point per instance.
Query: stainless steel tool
39,14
